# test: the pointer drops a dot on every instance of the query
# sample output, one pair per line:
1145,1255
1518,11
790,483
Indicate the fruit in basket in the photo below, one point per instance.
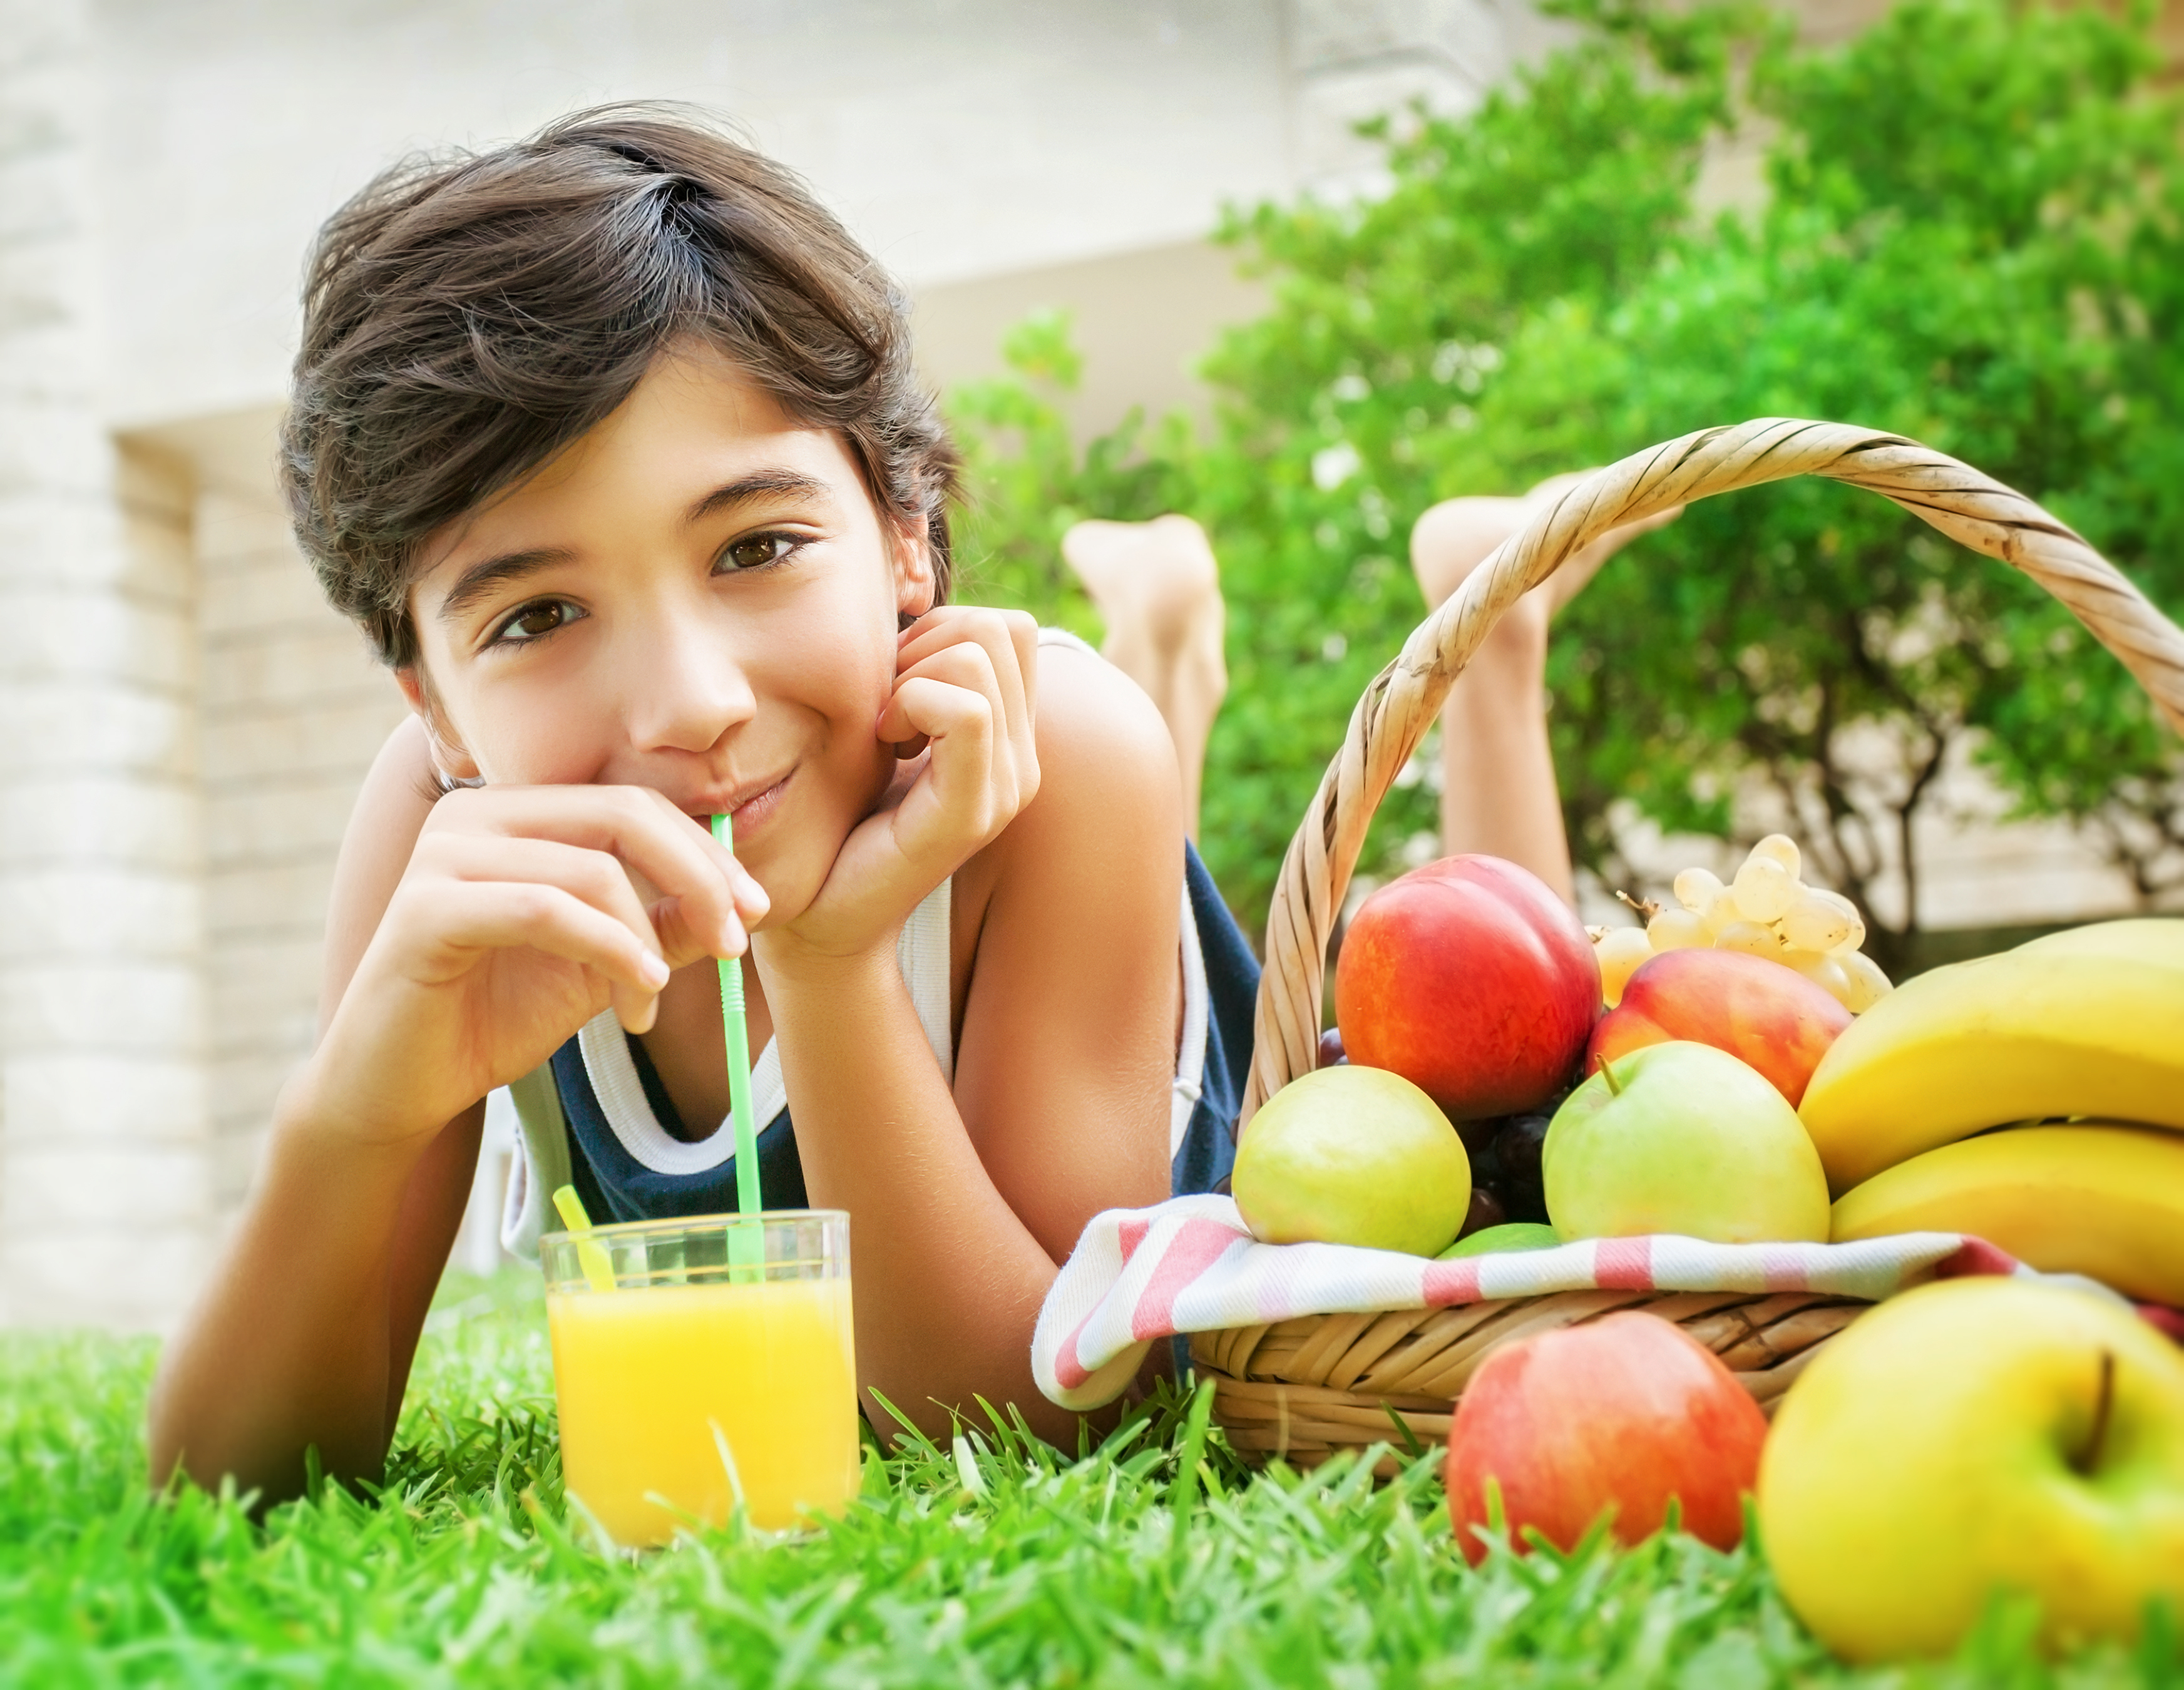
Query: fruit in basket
1352,1155
1683,1138
1516,1154
1485,1212
1974,1437
2081,1023
1767,911
1511,1237
2101,1199
1472,980
1618,1414
1769,1018
2155,939
1621,951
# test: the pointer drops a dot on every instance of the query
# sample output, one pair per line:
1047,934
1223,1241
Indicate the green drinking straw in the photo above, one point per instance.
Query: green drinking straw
744,1247
599,1269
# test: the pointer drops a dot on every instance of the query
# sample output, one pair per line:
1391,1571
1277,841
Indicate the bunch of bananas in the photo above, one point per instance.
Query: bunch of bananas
2082,1031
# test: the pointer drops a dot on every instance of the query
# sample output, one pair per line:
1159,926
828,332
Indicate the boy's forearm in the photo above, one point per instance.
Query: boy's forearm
288,1347
948,1280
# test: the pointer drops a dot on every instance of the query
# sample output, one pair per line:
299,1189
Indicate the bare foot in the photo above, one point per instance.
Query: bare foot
1158,587
1498,790
1567,582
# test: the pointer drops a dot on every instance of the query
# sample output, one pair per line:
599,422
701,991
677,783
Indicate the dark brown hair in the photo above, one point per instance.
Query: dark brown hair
467,317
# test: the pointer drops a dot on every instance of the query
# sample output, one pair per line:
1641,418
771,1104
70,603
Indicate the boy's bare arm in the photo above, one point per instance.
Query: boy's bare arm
468,939
965,1203
290,1345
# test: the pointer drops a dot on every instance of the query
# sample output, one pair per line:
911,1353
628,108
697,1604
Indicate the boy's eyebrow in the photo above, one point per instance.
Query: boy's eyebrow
482,578
758,484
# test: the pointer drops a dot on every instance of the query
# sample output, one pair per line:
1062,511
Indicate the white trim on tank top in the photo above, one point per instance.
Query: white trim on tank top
921,952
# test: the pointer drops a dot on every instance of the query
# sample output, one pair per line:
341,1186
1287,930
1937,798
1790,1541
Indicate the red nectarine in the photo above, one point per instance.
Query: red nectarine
1473,981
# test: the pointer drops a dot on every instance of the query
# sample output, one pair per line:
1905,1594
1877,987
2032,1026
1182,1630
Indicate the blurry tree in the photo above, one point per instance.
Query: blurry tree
1973,235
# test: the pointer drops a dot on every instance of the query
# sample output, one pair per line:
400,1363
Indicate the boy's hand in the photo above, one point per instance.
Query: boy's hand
965,699
524,912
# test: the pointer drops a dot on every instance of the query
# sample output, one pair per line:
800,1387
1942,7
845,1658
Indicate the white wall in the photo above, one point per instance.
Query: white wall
103,1205
957,139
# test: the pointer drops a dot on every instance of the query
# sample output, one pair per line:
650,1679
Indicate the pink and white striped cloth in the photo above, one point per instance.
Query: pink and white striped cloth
1191,1265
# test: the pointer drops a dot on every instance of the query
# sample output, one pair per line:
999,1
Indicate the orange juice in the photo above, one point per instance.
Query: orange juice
704,1362
665,1389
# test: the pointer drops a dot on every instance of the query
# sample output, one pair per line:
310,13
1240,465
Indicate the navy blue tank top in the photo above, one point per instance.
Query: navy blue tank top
615,1184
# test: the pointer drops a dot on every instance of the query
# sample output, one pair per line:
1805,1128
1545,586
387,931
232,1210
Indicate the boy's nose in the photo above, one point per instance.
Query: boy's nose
684,688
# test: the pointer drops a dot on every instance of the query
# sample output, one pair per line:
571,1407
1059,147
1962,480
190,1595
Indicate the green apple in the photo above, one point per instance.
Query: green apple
1972,1438
1352,1155
1512,1235
1683,1138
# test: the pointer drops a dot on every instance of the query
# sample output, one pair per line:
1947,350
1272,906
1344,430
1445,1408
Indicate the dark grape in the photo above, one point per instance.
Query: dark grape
1478,1135
1331,1053
1478,1138
1486,1211
1517,1156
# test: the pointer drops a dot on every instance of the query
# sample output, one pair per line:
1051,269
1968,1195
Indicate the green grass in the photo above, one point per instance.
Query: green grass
1153,1560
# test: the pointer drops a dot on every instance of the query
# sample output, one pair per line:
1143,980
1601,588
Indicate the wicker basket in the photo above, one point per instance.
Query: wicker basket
1305,1388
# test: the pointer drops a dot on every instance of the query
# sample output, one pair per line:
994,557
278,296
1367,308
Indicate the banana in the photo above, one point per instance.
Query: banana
2154,939
2071,1025
2097,1199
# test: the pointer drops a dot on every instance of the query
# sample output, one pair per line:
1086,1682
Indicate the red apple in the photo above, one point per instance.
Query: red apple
1472,980
1766,1016
1621,1413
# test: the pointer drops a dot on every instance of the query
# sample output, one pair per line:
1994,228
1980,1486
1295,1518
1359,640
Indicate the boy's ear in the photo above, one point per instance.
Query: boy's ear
450,759
912,556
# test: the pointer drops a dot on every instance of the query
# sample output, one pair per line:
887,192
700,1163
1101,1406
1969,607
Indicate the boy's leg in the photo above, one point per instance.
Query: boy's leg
1159,590
1498,791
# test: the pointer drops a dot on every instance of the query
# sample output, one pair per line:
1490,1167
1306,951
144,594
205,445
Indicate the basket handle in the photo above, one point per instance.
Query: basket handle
1403,700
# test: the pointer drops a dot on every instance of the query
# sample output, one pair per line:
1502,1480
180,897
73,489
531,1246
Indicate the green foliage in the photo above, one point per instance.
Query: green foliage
1153,1559
1974,236
1027,484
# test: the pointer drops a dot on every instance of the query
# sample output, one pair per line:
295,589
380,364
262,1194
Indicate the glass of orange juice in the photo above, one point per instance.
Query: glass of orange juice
714,1368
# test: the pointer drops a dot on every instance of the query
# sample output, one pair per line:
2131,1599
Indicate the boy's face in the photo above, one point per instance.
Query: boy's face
698,596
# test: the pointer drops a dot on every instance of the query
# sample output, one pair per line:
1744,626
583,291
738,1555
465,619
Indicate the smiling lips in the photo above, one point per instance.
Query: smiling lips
751,813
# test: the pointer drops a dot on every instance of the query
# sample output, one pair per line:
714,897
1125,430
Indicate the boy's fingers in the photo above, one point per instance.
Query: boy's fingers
681,942
1009,641
593,876
468,916
666,930
972,780
637,825
972,665
998,755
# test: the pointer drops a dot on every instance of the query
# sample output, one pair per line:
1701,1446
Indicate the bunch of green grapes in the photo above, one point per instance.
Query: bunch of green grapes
1767,911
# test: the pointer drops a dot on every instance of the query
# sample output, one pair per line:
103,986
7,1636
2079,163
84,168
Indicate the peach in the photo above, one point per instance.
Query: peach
1768,1017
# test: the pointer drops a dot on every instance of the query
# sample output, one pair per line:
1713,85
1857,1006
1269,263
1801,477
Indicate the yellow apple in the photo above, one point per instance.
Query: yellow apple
1972,1437
1352,1155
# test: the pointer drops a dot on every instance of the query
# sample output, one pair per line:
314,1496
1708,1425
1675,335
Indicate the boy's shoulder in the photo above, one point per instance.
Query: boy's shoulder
1109,799
1100,738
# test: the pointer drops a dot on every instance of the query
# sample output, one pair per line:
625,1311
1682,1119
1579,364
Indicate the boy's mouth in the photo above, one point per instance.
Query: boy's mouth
749,807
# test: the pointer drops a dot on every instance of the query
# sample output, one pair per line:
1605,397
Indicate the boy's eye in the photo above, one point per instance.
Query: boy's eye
534,621
755,551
